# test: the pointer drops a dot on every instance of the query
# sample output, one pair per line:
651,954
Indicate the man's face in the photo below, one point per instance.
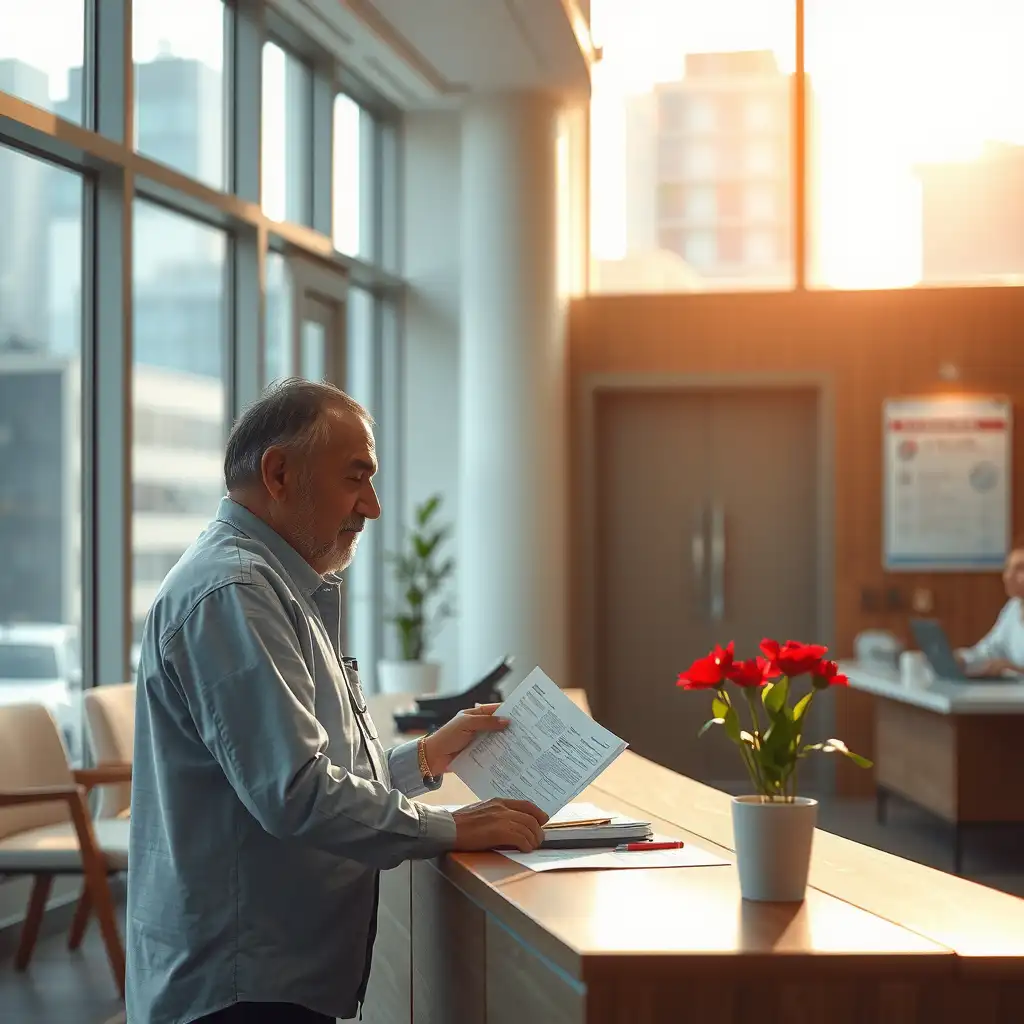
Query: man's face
1013,574
330,495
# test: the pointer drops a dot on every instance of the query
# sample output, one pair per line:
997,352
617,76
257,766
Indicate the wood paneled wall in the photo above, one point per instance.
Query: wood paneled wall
875,345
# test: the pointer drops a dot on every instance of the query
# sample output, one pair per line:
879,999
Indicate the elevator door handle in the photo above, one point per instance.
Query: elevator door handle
716,583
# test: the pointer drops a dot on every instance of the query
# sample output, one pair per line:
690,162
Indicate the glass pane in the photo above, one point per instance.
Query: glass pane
287,136
691,110
916,142
179,390
277,354
40,65
354,173
179,85
313,350
40,437
362,606
390,202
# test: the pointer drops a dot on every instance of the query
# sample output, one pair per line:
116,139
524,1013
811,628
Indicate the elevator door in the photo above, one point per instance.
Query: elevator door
707,530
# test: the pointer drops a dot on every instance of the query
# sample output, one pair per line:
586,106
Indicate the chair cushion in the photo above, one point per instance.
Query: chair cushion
55,848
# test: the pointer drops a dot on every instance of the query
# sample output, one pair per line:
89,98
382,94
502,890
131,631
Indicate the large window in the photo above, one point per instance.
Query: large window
40,437
179,85
916,143
287,135
912,158
133,253
180,398
691,105
37,63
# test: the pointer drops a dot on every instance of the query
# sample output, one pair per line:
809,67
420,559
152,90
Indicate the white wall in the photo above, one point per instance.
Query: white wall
431,357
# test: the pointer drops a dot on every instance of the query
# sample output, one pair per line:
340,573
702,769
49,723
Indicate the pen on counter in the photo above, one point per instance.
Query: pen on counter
676,844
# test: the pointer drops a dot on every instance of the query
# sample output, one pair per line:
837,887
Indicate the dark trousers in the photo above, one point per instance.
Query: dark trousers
265,1013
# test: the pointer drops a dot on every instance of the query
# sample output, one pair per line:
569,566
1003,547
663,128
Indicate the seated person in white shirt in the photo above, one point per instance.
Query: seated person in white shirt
1001,650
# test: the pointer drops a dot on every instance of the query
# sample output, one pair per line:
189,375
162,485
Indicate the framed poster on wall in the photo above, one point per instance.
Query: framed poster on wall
947,486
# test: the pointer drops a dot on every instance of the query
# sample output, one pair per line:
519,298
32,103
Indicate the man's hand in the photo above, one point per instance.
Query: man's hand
996,667
454,736
496,823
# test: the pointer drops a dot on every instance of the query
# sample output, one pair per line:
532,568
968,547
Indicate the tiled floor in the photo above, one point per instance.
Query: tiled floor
77,988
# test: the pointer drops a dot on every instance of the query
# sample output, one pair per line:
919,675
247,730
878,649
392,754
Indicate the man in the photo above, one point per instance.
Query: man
1001,651
263,804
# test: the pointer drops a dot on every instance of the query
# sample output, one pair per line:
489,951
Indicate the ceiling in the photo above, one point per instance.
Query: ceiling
427,53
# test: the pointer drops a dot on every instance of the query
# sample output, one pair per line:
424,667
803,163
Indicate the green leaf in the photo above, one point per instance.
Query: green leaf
774,695
834,746
710,722
802,705
731,724
427,509
719,708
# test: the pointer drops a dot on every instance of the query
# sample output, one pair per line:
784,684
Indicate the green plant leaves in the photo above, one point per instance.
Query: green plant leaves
421,578
834,746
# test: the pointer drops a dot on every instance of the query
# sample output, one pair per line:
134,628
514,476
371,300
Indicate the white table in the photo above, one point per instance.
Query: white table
952,747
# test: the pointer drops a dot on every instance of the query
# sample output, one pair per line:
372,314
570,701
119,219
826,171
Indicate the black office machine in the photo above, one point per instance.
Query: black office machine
434,709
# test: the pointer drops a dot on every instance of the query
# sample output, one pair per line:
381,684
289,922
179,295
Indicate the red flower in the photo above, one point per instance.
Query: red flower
827,674
753,672
793,658
708,673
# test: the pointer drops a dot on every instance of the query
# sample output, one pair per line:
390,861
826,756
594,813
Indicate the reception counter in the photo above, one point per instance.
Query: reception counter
473,938
952,748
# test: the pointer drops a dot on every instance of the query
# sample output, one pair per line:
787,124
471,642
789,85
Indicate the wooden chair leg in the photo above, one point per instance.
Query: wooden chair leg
94,869
81,919
41,886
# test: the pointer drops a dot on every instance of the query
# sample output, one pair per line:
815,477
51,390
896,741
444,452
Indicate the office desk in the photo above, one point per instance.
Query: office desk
472,938
953,748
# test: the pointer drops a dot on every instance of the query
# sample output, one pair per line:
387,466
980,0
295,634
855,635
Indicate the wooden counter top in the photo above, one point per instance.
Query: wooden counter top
868,915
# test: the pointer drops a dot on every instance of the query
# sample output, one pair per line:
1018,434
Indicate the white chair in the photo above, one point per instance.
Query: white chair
46,829
110,717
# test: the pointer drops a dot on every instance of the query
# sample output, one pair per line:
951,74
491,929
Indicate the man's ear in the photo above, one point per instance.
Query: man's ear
274,469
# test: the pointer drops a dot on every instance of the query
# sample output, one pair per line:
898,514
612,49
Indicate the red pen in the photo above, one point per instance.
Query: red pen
676,844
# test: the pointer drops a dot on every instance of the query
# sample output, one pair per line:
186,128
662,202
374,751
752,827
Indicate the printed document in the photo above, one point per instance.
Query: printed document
550,752
688,856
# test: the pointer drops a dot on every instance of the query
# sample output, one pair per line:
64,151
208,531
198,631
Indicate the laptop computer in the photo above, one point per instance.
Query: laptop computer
935,646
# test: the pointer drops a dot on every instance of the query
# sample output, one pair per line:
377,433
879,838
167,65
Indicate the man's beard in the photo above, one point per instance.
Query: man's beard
338,557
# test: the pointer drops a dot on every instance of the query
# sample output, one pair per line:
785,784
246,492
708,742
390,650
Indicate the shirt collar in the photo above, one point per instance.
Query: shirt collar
236,515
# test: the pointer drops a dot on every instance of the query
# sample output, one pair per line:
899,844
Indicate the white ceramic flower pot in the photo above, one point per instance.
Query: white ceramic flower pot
773,846
412,677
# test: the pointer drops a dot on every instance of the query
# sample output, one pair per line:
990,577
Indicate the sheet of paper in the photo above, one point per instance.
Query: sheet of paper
604,860
550,752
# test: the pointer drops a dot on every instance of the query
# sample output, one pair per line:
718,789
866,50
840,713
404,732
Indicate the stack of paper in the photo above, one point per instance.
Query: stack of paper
582,825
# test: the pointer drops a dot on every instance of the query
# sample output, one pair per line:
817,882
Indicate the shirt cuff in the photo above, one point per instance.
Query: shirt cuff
437,825
404,766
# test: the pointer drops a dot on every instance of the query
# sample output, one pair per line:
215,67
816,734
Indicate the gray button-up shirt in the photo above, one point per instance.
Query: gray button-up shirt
263,804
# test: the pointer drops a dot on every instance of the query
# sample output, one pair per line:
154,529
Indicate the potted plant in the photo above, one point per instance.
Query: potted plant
421,574
773,829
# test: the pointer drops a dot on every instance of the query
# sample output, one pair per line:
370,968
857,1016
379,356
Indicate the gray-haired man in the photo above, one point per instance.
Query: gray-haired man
263,804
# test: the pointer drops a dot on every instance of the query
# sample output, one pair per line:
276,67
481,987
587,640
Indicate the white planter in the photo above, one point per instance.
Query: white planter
773,847
413,677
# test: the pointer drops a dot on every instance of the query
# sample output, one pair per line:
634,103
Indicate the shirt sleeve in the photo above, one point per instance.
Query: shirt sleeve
240,668
404,766
992,645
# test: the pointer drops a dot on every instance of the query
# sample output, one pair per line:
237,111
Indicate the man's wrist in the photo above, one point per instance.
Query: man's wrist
431,759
